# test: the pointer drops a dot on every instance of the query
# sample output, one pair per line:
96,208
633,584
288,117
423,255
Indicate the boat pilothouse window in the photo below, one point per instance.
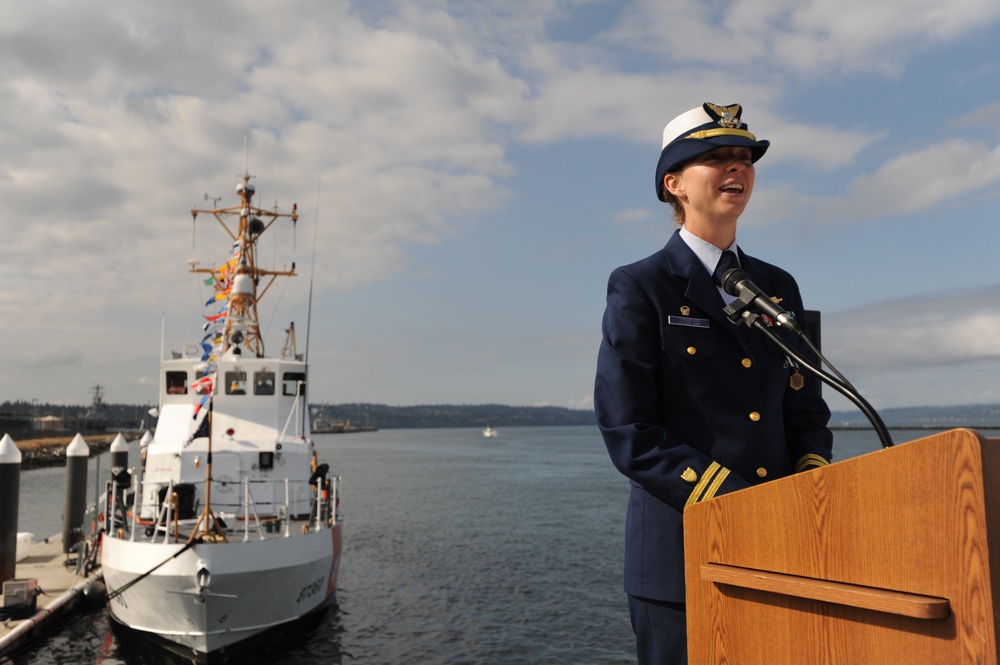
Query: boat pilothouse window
263,383
293,383
177,383
236,383
265,460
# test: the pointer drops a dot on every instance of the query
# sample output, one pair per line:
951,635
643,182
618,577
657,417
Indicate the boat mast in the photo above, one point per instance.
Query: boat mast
240,274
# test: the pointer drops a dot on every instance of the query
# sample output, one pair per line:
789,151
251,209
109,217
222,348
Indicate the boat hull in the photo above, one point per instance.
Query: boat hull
211,596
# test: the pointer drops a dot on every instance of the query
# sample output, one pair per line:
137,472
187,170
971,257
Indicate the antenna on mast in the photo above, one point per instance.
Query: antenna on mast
312,266
312,275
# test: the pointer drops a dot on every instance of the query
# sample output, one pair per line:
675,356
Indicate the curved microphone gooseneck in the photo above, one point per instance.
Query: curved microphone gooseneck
736,282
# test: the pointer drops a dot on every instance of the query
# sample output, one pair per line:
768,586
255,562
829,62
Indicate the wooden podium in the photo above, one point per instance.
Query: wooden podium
891,557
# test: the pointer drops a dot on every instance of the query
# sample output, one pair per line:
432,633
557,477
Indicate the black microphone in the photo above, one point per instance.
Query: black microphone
736,282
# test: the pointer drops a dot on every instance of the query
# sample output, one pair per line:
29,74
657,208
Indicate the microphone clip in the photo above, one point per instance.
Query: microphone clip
740,309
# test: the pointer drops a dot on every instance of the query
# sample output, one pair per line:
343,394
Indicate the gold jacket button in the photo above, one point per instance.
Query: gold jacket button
762,472
746,362
754,416
691,350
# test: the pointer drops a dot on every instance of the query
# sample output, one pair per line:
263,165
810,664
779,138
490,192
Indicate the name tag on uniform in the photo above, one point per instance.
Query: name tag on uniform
688,321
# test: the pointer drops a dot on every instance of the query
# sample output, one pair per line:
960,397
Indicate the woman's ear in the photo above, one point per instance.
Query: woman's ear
673,183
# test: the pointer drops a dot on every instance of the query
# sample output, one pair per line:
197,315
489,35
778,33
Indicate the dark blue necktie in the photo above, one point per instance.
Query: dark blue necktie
727,262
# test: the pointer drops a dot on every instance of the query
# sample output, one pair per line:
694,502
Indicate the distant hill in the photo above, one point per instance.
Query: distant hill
16,416
450,415
982,416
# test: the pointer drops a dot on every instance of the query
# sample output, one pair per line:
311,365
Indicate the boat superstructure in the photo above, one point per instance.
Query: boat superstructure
230,525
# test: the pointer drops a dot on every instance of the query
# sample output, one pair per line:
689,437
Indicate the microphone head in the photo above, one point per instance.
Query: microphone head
732,279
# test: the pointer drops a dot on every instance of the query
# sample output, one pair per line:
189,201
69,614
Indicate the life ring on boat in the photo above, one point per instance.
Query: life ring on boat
222,484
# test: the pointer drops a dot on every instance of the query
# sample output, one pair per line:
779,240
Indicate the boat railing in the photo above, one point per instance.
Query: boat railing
167,517
316,506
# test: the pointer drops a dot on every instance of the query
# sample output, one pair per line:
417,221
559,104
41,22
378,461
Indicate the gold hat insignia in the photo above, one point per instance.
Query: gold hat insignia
726,116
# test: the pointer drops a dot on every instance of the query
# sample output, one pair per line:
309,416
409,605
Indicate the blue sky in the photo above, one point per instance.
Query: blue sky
476,170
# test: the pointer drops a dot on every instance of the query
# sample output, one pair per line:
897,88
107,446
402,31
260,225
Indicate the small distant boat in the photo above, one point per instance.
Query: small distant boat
323,427
489,432
340,427
355,427
230,526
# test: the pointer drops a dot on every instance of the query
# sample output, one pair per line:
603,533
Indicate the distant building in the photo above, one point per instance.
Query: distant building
48,423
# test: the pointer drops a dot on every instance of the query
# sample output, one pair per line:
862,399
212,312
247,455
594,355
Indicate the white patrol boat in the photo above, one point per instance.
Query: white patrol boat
230,526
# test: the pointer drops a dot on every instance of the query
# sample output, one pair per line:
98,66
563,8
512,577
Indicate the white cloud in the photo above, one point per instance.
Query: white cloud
927,331
817,147
940,348
404,116
918,182
405,130
984,117
119,121
807,38
929,177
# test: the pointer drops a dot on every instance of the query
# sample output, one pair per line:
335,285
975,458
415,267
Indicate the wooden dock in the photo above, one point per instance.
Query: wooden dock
60,590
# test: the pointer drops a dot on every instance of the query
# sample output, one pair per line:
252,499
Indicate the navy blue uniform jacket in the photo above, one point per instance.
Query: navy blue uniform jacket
692,406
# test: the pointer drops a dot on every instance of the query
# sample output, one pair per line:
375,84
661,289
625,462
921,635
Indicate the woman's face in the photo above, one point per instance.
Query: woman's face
714,185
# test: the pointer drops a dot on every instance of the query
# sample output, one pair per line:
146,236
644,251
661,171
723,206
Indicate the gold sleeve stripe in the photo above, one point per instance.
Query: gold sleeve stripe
716,483
706,478
811,460
709,484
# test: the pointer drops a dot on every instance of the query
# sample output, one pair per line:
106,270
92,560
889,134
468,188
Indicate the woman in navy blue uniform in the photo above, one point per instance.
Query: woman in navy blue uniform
691,405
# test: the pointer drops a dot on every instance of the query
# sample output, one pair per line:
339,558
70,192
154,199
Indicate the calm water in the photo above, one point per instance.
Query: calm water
458,549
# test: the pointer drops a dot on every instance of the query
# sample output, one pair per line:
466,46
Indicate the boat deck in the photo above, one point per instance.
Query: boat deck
59,588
